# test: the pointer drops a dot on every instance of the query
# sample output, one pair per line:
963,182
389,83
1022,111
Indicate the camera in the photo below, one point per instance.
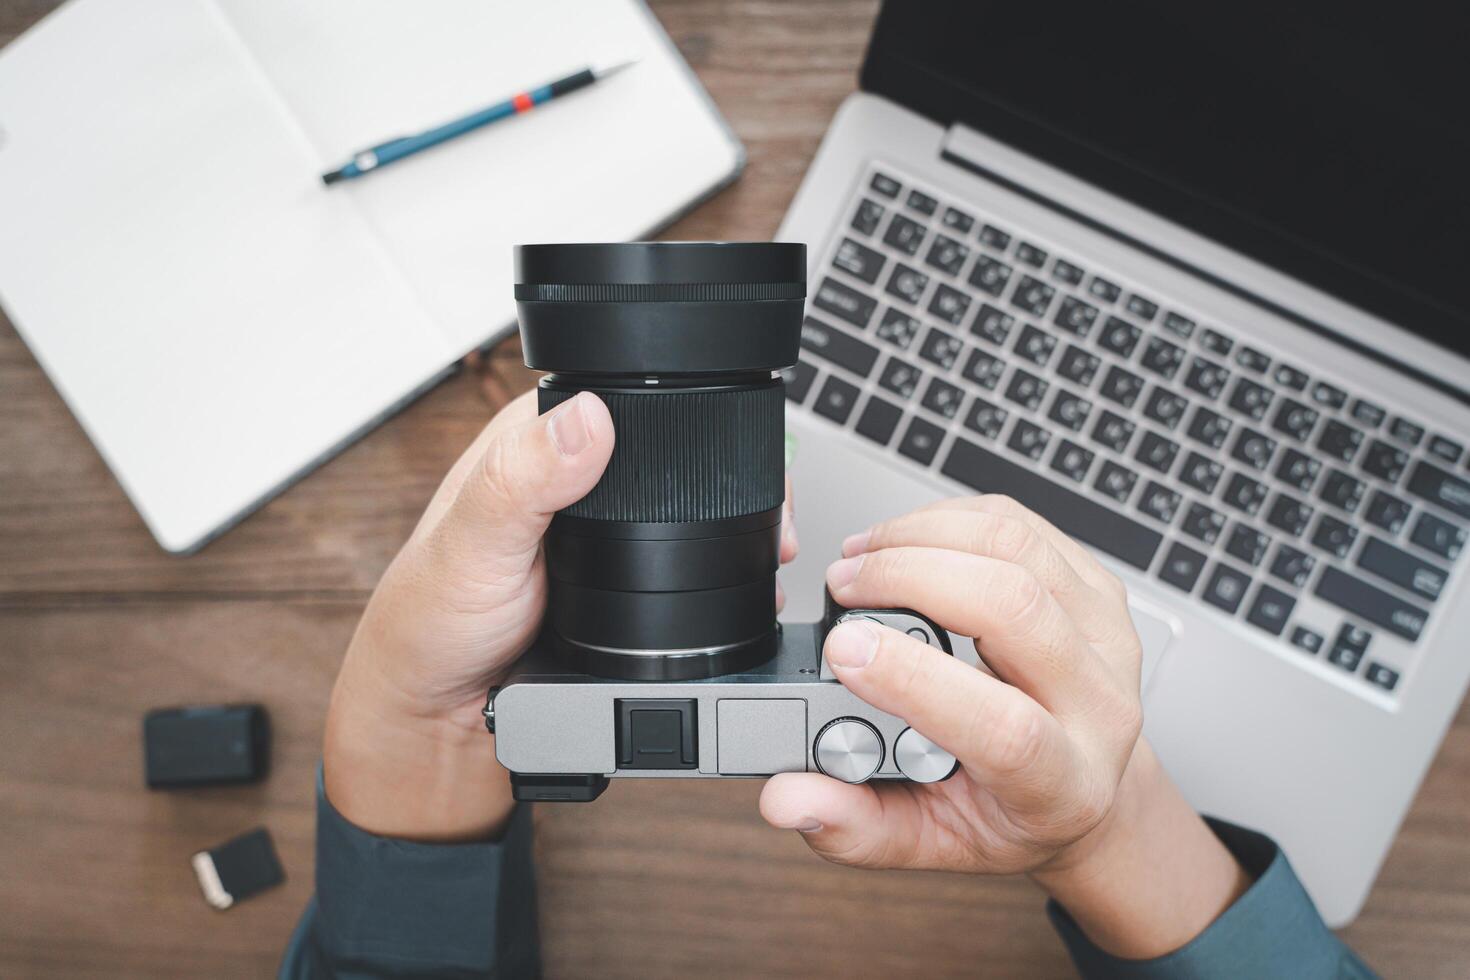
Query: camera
660,654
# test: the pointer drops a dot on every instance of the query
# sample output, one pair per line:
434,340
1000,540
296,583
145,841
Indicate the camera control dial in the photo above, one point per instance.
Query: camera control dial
848,749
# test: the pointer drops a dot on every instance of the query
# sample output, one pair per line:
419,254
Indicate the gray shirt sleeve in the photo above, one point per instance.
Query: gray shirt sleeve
1272,931
391,908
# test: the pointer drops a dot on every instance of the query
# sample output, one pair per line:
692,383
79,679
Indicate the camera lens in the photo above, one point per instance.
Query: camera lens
666,570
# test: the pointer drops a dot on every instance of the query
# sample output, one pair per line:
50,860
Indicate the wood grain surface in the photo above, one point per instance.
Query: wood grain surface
97,625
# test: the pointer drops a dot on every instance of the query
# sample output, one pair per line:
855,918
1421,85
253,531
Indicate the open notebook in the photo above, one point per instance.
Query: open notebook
219,321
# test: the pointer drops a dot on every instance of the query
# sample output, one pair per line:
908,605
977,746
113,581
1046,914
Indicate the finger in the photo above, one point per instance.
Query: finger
1002,737
867,826
788,525
1022,632
780,596
1080,557
522,475
517,412
1100,617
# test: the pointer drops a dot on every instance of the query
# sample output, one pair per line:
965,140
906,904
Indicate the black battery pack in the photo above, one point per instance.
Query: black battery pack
238,869
205,745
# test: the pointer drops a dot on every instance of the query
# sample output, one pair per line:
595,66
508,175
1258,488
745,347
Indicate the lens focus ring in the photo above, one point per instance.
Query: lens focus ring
697,455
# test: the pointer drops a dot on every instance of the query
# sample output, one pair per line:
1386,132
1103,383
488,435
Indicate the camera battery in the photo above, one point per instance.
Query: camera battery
205,745
238,869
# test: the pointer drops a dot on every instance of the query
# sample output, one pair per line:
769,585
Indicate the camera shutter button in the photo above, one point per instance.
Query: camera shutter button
848,749
920,759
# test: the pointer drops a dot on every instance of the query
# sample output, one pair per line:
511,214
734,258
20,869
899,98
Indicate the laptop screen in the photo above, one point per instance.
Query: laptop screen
1329,140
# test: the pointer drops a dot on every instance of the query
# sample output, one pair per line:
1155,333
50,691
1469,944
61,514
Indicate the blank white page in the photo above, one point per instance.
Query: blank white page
215,320
607,163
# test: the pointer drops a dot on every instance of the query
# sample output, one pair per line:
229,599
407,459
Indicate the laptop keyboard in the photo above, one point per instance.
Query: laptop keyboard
965,346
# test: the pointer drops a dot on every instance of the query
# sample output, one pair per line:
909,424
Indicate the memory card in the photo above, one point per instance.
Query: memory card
238,869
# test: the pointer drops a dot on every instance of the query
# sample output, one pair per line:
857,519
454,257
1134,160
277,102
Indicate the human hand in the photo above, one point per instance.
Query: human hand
406,752
1053,778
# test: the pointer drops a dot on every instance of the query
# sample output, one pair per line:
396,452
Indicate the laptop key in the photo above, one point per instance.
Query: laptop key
922,203
1249,398
1113,431
1069,410
859,261
947,255
985,418
1077,515
1409,433
1339,440
949,304
1203,523
1402,569
836,399
1209,428
1271,609
1072,461
1295,419
1159,502
904,234
983,370
878,420
1182,566
1325,394
1438,536
1216,342
907,283
1308,640
899,377
1368,413
1075,316
1119,336
1292,566
942,398
1121,387
844,302
921,441
866,218
1440,487
1247,544
1161,357
1030,255
1106,291
1165,407
1387,511
1289,514
941,348
1068,273
1334,537
1446,449
1026,389
1384,461
1342,491
1244,494
1156,452
885,185
1035,345
1115,481
1226,588
898,328
1252,360
1028,439
1078,366
1033,296
1357,597
995,238
1201,473
1144,309
1297,469
1253,448
799,378
990,275
1346,653
1206,377
1178,325
840,348
992,324
958,220
1382,676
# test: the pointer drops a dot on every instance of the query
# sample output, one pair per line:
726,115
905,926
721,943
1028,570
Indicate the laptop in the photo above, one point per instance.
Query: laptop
1190,282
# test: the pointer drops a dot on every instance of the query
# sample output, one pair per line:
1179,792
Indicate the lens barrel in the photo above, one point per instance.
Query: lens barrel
666,569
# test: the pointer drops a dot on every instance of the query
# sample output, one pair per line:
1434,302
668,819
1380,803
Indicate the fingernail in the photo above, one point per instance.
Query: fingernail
568,428
851,644
841,573
809,826
856,544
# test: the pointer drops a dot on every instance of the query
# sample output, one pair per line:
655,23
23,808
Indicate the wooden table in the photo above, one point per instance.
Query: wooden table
97,625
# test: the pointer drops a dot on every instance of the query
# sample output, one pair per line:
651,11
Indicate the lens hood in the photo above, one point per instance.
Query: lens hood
660,309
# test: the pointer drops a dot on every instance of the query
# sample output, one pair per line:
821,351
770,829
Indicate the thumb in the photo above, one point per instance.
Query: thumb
867,825
524,475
